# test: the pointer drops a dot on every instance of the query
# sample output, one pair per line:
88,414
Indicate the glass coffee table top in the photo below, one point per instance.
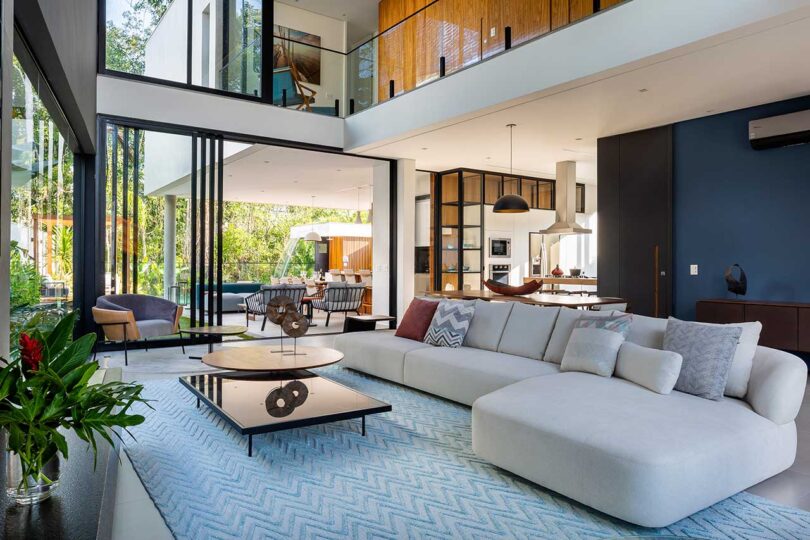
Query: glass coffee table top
264,402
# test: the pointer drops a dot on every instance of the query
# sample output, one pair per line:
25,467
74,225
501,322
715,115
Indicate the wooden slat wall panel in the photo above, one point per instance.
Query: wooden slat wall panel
559,13
460,30
359,251
579,9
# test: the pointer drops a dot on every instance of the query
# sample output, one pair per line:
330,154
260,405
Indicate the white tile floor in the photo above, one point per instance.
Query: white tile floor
136,517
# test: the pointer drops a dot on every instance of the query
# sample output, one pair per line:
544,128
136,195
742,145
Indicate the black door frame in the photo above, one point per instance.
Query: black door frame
91,237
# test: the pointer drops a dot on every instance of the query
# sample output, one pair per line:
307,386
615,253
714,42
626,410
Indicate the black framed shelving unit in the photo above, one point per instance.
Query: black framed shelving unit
461,197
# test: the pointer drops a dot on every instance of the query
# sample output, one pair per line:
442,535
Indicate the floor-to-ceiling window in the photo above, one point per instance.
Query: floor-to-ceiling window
208,43
41,208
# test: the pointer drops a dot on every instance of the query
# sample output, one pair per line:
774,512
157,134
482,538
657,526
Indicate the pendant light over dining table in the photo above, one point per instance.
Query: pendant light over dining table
313,236
511,203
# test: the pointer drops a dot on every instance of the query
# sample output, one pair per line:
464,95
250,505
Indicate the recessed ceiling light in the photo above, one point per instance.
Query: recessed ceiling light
266,161
710,111
424,148
578,139
295,181
338,170
642,90
487,158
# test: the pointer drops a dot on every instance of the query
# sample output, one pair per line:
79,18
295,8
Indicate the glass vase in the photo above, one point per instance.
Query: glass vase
30,490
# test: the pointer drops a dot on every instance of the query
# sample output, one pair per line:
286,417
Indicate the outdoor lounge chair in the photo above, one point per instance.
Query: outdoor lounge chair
134,317
256,303
340,297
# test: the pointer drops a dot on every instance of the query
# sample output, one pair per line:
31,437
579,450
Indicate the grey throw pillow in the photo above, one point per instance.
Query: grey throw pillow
450,323
594,344
707,353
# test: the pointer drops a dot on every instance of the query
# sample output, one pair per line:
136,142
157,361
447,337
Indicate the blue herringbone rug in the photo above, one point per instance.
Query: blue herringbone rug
413,476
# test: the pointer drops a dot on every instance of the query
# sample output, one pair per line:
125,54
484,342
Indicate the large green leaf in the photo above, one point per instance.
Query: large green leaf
58,338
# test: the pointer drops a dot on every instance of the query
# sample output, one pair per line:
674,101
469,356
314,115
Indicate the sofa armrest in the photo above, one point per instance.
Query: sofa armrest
777,384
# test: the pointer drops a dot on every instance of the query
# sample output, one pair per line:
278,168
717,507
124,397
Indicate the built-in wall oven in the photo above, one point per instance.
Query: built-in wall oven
500,247
500,273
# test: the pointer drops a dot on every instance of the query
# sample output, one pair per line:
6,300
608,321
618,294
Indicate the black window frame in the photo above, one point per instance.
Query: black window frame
266,62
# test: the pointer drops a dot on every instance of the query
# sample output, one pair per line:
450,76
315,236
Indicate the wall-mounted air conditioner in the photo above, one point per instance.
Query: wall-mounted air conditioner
776,131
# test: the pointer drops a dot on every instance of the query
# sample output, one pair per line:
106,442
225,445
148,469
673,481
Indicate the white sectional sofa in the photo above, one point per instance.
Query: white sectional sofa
647,458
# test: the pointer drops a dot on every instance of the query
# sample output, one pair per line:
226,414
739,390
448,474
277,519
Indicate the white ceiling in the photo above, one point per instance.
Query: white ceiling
767,66
360,15
277,175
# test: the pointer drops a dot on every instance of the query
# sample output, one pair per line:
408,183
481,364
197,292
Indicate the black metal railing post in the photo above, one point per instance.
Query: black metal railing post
391,88
284,97
442,66
337,108
351,106
507,37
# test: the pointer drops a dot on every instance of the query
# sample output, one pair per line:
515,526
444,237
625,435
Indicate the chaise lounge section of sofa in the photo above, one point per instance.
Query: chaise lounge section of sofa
646,458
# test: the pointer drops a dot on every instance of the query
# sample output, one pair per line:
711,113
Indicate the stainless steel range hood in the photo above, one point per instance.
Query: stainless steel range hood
565,201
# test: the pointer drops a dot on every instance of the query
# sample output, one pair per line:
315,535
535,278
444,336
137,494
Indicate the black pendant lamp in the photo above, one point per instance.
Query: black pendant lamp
510,204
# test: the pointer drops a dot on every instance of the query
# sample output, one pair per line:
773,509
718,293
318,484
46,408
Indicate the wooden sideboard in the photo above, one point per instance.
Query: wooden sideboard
785,325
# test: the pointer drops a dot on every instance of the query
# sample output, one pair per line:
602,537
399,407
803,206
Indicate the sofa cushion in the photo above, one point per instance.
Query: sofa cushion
740,371
562,331
707,352
450,323
417,319
487,324
647,331
377,352
777,385
528,330
151,328
464,374
640,456
594,344
653,369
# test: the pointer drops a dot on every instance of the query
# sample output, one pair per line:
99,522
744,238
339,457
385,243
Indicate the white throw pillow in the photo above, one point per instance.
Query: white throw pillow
653,369
594,344
740,371
647,331
562,331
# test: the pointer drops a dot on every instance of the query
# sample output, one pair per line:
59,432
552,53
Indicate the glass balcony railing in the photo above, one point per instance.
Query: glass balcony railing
222,50
446,36
307,77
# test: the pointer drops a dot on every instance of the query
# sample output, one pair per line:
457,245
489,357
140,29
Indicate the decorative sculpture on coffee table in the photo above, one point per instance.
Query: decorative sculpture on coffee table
739,286
282,311
282,401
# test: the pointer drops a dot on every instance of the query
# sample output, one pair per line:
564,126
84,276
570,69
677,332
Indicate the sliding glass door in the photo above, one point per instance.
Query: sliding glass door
163,194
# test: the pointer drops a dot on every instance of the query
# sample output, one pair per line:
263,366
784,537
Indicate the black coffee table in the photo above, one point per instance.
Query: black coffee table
263,402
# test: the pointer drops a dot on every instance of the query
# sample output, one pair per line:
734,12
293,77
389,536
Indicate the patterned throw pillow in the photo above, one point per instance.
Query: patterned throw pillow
450,323
594,344
707,354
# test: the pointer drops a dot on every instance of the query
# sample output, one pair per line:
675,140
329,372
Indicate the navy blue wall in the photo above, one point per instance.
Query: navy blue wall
733,204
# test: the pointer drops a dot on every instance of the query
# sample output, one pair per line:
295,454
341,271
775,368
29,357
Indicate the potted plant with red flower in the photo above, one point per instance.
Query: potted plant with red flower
44,391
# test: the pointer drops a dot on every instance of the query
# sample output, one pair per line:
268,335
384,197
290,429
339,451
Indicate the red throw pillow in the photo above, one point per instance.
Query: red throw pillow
417,319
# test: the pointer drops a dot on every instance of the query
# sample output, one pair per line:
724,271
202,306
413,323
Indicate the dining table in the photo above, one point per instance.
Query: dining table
538,299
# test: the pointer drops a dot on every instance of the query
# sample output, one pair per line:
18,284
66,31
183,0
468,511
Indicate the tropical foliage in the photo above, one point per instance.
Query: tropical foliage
44,388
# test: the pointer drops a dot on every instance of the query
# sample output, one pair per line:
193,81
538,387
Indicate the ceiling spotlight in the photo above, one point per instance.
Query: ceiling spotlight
578,139
424,148
642,90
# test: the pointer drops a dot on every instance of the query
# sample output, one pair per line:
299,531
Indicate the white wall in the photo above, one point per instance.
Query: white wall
333,36
380,227
160,103
406,222
165,55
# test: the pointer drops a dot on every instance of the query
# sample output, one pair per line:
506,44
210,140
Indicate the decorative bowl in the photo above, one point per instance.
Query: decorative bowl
510,290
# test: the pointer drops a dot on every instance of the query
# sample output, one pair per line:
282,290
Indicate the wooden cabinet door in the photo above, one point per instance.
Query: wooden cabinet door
779,325
635,219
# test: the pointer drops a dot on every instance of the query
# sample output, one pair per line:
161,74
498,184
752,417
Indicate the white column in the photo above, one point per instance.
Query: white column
169,243
406,238
380,227
5,174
